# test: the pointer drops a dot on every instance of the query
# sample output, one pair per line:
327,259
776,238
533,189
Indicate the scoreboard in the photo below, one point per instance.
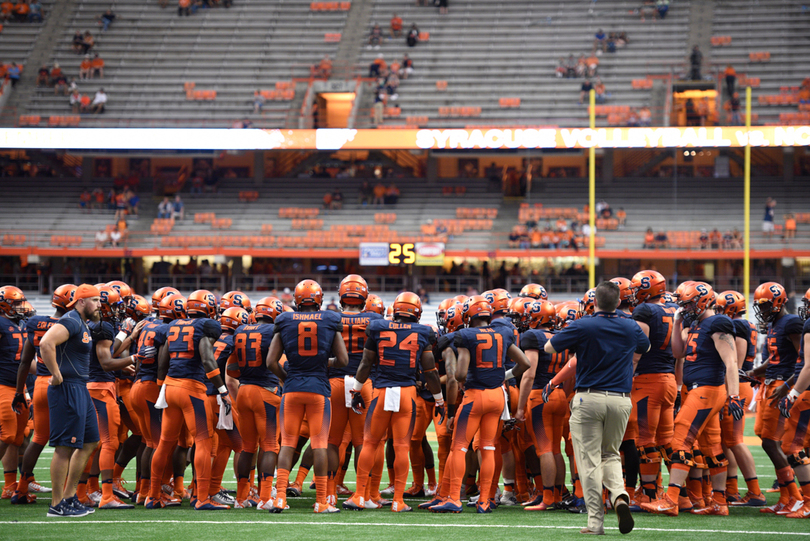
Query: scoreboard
382,254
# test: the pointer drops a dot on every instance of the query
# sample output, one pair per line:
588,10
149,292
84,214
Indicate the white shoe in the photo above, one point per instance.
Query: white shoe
498,493
95,496
331,500
508,498
242,505
430,490
474,499
223,498
371,504
36,487
273,493
265,506
389,490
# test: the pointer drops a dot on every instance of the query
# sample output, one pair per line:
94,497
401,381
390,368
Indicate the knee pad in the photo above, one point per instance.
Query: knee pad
717,461
698,460
648,455
665,453
682,457
798,459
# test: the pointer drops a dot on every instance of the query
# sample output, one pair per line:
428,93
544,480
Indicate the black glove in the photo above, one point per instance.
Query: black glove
785,404
677,403
226,401
358,404
744,377
547,391
19,400
735,407
438,409
511,424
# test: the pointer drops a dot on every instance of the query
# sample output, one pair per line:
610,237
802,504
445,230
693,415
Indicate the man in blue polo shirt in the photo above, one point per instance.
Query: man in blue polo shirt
607,348
65,350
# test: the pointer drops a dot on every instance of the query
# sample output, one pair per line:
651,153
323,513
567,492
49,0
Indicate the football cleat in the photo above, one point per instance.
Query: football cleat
342,490
427,505
170,501
714,509
535,500
33,486
152,503
430,490
294,490
801,512
539,507
483,508
278,505
114,503
774,487
223,498
371,504
355,503
321,508
731,498
448,506
95,496
684,504
750,500
244,504
508,498
400,507
793,505
773,509
119,490
22,499
208,505
415,491
387,491
578,507
664,506
263,506
8,492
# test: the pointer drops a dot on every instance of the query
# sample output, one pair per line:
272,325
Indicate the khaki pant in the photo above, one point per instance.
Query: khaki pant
598,422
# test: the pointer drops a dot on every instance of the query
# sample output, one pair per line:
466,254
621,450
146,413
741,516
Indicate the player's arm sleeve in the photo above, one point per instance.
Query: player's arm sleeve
371,340
459,341
723,325
794,326
529,340
643,314
160,336
212,329
642,341
106,332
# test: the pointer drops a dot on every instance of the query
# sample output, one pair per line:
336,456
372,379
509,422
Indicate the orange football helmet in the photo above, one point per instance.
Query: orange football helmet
234,298
124,291
62,296
288,308
408,304
680,289
625,290
566,313
389,312
353,290
542,314
138,308
233,317
374,304
268,307
11,302
695,299
251,318
730,303
201,303
520,312
587,304
668,297
112,307
498,299
161,294
441,311
647,284
308,293
28,310
534,291
769,298
461,299
476,306
172,307
454,319
804,306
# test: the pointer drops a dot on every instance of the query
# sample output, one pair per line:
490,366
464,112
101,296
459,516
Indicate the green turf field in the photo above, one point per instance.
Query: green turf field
30,523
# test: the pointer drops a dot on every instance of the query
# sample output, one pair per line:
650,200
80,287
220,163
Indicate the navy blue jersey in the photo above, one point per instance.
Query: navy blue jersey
354,336
660,319
307,338
625,315
487,346
505,323
101,331
399,346
183,339
35,329
547,365
73,355
223,348
12,339
781,352
748,332
800,359
250,345
153,334
702,363
604,345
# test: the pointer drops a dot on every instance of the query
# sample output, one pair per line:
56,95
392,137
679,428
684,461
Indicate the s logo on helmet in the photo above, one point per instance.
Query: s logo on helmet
730,298
178,305
776,290
645,282
702,289
489,297
105,296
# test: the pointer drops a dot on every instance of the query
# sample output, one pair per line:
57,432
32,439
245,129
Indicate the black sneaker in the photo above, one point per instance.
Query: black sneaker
64,510
578,507
76,504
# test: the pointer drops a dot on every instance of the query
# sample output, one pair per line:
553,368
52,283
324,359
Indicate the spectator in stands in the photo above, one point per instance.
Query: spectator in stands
106,19
396,26
413,36
621,40
560,71
132,201
703,240
75,101
22,10
392,84
84,68
84,200
13,73
78,42
379,194
6,9
63,87
585,90
536,238
332,305
599,41
649,239
570,67
101,238
593,63
645,117
790,227
88,42
391,194
734,107
120,205
327,200
97,67
621,216
407,67
695,60
662,6
737,240
731,79
183,8
99,101
378,67
610,45
337,198
43,76
98,199
728,240
601,94
258,102
165,209
115,237
442,7
582,66
375,36
661,240
715,238
366,193
36,12
325,67
178,210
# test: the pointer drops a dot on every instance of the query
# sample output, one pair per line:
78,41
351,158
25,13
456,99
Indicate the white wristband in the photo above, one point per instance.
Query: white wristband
509,375
438,397
794,394
121,336
222,389
27,396
357,387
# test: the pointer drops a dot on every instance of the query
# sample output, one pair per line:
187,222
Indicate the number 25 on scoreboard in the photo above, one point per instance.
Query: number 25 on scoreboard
401,253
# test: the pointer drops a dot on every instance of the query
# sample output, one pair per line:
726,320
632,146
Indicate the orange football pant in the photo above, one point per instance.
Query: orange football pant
700,412
109,420
42,418
343,416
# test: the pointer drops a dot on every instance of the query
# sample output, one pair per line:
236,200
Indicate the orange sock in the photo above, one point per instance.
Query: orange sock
10,477
673,491
548,495
719,497
731,485
179,487
242,488
341,475
806,492
118,470
694,487
431,473
793,490
320,488
302,475
538,481
331,484
782,476
753,485
92,484
252,477
266,493
81,491
282,481
107,489
578,488
706,486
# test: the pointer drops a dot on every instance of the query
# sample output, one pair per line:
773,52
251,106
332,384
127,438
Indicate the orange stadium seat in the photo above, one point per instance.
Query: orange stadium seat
642,83
29,120
14,240
509,102
441,85
424,36
331,37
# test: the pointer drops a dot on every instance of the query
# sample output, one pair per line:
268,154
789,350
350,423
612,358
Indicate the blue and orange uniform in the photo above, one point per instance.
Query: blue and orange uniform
145,390
12,424
797,428
35,329
186,400
398,347
259,400
734,430
227,440
443,435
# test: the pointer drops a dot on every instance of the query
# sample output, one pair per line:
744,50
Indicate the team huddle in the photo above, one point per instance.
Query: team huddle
112,381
